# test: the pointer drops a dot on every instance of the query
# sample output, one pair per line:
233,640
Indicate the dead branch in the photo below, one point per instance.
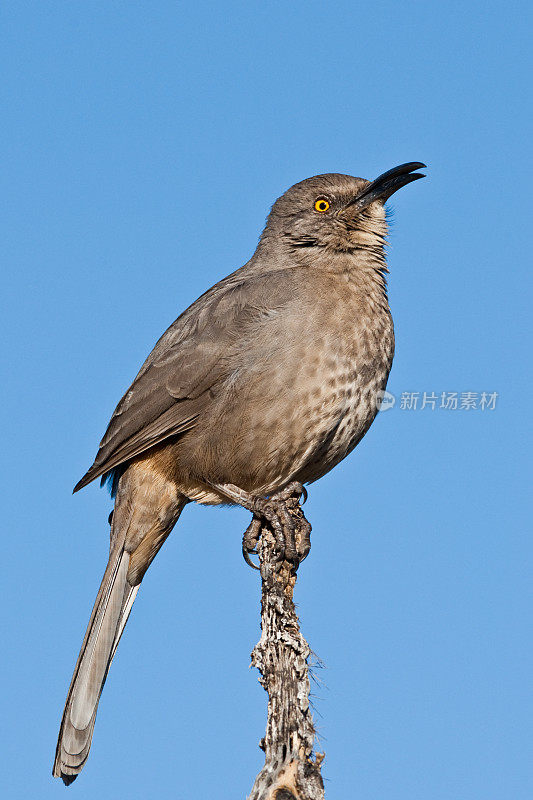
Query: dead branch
291,770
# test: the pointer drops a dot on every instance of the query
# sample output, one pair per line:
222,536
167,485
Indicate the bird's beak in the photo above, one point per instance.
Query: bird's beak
385,185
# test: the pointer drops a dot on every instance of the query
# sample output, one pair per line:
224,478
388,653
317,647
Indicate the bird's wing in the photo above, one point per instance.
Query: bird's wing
171,391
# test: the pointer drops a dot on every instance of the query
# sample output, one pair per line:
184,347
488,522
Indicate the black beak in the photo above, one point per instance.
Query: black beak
385,185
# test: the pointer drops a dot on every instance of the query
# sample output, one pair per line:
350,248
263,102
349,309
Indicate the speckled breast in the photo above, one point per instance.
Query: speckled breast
345,399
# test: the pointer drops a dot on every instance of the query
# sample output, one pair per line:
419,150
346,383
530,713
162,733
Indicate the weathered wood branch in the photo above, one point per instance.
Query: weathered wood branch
291,770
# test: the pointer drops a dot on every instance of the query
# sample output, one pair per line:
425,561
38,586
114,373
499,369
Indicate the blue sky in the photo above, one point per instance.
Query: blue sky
143,144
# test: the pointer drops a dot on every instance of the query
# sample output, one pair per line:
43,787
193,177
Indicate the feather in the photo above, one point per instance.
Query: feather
110,613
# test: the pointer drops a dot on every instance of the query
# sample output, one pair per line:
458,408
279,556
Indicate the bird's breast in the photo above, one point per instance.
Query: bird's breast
320,402
341,406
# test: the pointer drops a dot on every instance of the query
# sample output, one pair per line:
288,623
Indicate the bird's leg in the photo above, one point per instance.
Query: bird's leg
282,512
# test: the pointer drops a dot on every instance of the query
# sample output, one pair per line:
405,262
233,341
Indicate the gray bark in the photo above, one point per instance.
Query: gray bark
292,769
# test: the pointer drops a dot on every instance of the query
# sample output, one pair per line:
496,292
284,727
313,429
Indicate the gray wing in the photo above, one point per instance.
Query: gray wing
196,353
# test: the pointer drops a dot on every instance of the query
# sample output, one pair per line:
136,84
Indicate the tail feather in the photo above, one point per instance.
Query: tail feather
146,510
110,613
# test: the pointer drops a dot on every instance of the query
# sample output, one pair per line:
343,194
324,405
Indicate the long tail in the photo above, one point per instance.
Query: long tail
109,616
110,613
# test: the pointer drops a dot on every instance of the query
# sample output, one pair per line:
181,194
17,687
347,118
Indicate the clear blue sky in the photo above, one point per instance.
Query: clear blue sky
142,146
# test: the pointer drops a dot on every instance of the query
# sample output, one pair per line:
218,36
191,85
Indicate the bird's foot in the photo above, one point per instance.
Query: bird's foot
283,514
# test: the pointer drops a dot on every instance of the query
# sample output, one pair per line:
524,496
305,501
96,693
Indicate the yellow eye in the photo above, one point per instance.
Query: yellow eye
321,205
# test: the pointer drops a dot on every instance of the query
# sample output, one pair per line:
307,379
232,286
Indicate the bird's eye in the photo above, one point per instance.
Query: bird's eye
321,204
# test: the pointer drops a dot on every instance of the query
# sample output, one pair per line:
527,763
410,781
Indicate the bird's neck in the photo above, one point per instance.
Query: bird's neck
364,264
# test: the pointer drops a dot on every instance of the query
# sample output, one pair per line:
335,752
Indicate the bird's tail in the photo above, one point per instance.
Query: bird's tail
109,616
141,532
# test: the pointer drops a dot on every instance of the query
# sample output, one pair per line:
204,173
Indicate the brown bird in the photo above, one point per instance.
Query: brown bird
263,384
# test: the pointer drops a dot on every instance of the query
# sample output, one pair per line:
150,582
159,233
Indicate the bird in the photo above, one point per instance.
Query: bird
263,385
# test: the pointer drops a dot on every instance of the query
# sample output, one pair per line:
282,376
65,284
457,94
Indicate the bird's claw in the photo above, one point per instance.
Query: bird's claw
282,512
293,491
250,540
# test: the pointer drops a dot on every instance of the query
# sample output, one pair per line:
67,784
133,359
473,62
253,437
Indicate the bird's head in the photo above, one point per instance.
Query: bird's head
337,212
